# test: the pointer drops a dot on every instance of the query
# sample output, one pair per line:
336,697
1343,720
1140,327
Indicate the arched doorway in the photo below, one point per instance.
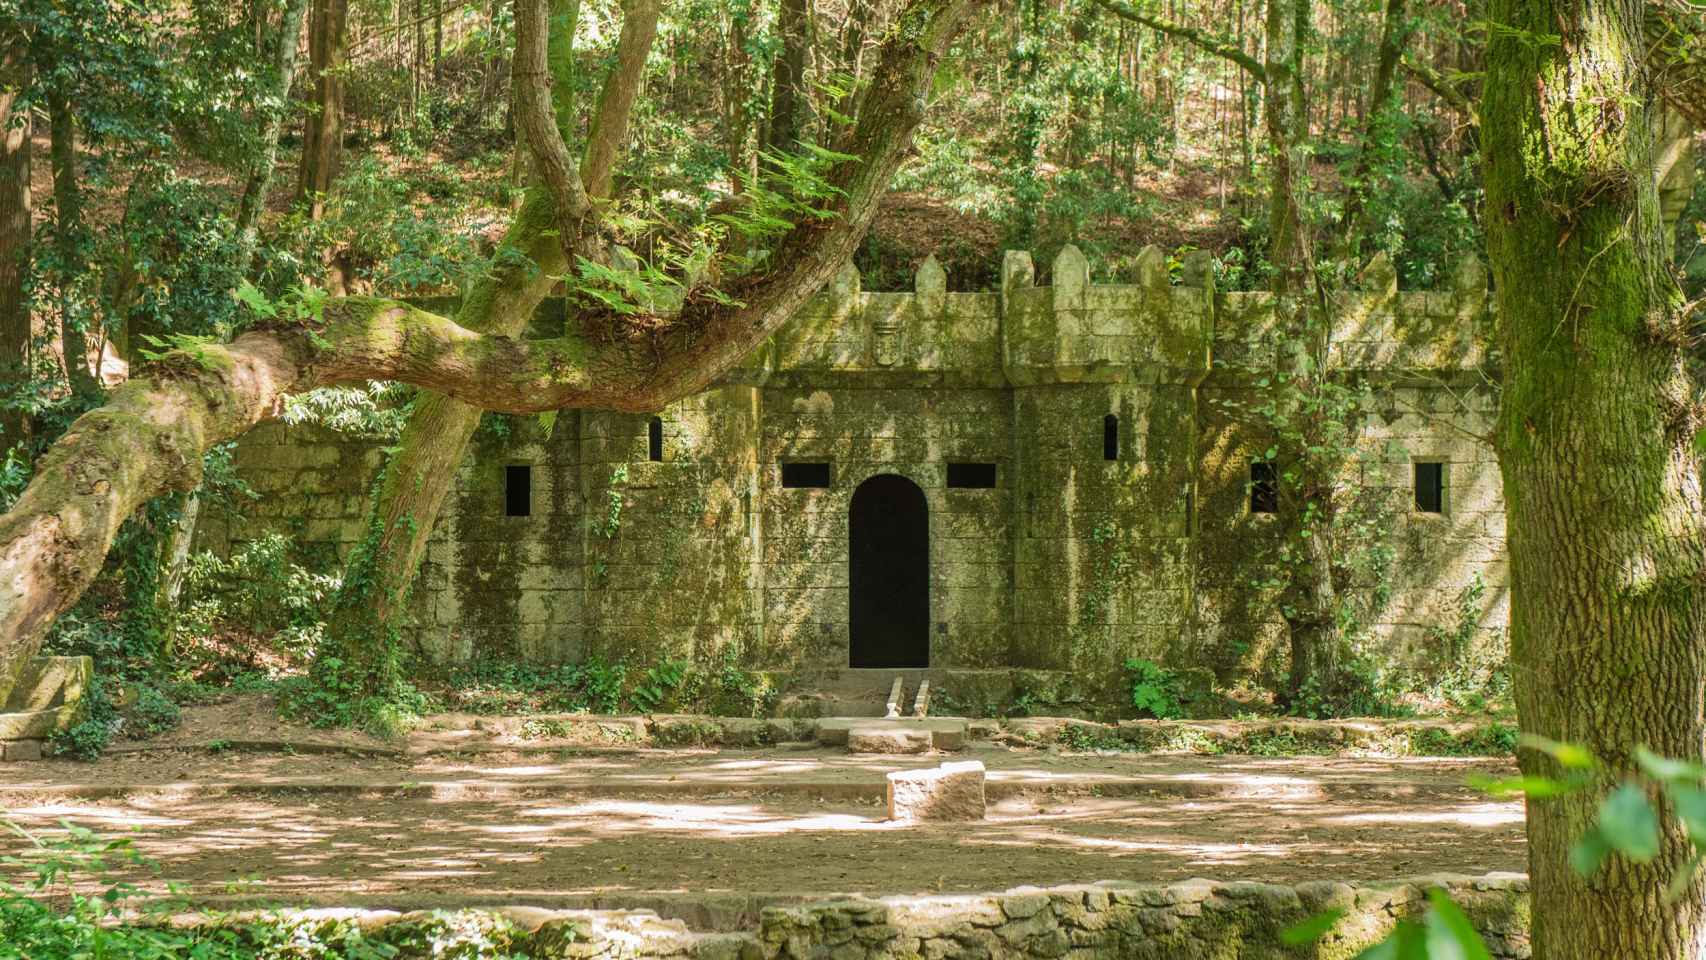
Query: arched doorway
889,574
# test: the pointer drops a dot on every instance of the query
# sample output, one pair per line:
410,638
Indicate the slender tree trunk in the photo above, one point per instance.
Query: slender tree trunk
15,330
1307,599
1394,36
72,237
323,134
788,75
254,197
1596,445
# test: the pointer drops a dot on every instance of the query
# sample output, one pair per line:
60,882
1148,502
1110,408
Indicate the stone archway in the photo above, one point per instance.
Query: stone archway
888,582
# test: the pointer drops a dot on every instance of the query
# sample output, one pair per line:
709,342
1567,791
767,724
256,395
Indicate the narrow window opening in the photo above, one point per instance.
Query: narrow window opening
654,440
974,476
518,490
1430,487
1264,487
805,475
1111,437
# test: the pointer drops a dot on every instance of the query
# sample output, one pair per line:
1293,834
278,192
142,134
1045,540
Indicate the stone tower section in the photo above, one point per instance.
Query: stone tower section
1103,409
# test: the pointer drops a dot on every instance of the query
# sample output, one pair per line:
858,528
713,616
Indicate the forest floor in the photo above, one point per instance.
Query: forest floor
710,836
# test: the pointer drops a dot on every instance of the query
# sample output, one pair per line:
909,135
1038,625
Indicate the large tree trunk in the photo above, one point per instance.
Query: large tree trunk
72,239
323,133
1596,444
259,182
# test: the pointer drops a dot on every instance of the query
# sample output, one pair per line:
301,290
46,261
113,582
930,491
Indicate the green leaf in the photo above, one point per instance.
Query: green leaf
1312,929
1690,806
1679,884
250,296
1449,923
1525,786
1571,755
1664,768
1407,941
1589,853
1629,824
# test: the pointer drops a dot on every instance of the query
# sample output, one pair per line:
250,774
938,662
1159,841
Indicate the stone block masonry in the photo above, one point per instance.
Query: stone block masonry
1079,469
1196,920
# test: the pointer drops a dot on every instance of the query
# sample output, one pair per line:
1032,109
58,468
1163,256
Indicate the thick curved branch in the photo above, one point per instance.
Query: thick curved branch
1208,43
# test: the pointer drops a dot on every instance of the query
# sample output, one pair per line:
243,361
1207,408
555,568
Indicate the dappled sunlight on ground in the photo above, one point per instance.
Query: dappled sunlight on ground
616,828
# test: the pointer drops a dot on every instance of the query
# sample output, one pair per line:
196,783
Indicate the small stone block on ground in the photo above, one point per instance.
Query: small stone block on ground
20,750
950,792
887,739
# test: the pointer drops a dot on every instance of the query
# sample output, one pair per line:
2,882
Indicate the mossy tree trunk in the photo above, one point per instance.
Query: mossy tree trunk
1596,437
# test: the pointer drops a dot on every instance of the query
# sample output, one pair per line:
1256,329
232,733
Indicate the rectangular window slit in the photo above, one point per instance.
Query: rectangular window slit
1264,487
974,476
654,440
805,475
1111,437
1430,487
518,490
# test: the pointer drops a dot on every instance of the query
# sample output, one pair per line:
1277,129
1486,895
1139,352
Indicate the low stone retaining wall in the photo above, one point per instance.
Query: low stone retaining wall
1196,920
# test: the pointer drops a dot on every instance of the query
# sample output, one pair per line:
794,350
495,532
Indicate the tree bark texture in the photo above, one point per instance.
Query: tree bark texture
323,133
15,228
1596,447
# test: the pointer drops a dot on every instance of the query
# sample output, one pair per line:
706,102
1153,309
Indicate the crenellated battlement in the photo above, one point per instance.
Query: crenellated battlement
1076,331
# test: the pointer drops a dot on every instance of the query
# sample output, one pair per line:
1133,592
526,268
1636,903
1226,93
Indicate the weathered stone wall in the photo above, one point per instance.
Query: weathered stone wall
1073,560
1423,356
1196,920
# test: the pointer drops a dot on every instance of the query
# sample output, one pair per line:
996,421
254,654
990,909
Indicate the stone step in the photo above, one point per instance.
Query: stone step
941,733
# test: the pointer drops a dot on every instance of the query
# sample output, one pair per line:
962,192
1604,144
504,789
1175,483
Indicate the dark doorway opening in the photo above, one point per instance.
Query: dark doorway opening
889,574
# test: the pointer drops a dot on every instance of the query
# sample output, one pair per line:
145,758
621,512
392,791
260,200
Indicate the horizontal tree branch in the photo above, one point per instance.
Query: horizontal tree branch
1222,47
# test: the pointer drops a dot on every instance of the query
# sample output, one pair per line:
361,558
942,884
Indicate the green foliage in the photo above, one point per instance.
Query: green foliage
492,687
266,591
1154,690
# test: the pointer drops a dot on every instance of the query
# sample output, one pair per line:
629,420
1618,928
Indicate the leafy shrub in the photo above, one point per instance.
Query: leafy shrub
1154,690
153,714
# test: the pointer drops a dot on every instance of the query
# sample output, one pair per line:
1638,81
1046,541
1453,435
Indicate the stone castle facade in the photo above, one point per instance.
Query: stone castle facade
1049,476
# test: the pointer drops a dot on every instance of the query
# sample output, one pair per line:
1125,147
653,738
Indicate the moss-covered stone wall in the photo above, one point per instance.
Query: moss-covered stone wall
1088,548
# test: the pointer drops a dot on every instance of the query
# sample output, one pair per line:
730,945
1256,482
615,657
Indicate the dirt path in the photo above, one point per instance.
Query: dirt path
633,829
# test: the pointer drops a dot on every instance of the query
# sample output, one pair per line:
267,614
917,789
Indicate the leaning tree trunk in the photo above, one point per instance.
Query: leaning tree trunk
1596,445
